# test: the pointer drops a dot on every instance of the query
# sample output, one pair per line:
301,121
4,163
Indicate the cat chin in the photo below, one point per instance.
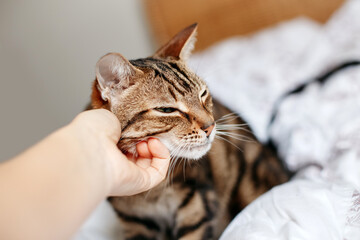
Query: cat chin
193,153
196,152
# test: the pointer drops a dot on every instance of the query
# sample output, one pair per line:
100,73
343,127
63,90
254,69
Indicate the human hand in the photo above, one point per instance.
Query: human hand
97,133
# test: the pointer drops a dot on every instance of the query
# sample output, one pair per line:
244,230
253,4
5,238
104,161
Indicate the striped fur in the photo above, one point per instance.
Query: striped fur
160,97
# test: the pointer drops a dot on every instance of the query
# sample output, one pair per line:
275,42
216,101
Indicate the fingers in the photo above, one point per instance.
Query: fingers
154,159
143,150
145,157
160,157
152,149
157,149
143,172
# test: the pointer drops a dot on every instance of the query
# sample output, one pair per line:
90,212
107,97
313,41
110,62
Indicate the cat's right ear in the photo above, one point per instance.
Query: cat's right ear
181,45
114,73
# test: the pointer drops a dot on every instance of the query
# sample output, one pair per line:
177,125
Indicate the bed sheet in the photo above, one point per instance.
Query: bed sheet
317,131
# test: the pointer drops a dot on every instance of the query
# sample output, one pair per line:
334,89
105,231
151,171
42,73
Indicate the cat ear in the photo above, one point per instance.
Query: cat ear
114,72
181,45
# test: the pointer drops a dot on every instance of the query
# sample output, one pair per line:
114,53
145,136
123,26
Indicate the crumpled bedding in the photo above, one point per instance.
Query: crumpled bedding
317,131
301,209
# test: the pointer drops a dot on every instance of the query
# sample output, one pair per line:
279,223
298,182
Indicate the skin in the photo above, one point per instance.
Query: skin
48,191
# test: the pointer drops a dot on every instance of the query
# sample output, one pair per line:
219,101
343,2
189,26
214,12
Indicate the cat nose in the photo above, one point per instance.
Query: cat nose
208,129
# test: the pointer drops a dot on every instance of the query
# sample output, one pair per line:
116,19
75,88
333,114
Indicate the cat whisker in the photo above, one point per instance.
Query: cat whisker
233,124
180,148
172,160
232,132
227,117
236,136
233,127
224,139
147,193
174,155
184,164
171,169
184,167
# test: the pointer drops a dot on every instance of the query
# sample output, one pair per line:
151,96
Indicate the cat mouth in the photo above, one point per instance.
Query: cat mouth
189,150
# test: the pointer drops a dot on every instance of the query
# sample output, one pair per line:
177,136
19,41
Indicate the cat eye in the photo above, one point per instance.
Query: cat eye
166,110
203,94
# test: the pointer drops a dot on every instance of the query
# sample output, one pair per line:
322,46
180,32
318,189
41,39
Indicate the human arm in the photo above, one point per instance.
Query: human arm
50,189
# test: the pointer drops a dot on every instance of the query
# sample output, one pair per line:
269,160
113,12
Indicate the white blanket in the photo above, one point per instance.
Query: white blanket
321,125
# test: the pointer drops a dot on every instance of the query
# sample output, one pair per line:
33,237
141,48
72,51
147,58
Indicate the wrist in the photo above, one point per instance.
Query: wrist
88,155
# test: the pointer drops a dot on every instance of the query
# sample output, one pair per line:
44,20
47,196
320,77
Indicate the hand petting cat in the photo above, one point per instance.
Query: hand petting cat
49,190
99,132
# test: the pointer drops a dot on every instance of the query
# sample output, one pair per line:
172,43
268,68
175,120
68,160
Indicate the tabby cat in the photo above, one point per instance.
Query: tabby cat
161,97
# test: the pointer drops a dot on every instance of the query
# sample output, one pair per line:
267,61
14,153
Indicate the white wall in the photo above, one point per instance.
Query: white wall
48,50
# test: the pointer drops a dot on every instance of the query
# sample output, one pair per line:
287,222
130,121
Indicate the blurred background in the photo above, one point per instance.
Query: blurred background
48,49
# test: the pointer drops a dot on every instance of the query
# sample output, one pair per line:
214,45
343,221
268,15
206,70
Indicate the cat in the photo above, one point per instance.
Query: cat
159,96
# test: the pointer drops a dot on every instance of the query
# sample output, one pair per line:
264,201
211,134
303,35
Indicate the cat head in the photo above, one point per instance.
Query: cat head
158,96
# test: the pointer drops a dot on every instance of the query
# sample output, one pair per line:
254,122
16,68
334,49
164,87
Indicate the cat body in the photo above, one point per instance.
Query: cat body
160,97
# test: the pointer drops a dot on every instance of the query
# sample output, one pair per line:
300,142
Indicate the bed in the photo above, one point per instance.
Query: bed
252,53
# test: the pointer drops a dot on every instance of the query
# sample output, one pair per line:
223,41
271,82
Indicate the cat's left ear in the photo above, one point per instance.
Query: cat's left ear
114,73
181,45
